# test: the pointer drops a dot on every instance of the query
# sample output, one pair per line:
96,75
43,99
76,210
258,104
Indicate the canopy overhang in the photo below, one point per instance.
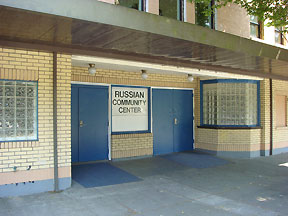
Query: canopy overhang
94,28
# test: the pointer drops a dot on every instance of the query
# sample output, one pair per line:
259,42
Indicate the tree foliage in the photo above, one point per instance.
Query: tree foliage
275,12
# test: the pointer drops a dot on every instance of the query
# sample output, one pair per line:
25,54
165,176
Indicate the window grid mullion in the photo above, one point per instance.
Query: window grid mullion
15,105
4,102
26,111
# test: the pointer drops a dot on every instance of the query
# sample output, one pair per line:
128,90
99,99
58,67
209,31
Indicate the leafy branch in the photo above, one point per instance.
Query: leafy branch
274,12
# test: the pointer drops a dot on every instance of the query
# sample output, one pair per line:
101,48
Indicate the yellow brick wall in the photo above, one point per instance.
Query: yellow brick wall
131,145
64,109
265,114
228,140
16,64
206,138
246,140
239,140
280,134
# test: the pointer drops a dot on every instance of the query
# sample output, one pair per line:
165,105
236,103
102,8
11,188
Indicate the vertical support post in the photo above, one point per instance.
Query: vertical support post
271,116
56,179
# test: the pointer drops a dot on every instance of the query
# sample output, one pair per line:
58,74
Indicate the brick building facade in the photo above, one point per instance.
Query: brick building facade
30,165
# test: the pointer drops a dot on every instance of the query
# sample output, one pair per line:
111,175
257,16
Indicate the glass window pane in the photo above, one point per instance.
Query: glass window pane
31,91
9,102
130,3
21,91
21,133
20,124
253,18
30,113
254,30
30,103
9,114
168,8
203,19
9,90
9,133
9,124
278,38
31,133
20,102
20,113
30,123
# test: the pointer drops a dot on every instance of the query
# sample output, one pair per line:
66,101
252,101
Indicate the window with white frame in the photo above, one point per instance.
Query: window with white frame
130,109
18,111
230,103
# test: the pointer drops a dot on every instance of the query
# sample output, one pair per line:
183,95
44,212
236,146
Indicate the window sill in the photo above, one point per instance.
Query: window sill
269,43
19,144
132,135
230,128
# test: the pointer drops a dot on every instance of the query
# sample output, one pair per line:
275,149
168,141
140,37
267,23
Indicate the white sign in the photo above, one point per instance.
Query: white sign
129,109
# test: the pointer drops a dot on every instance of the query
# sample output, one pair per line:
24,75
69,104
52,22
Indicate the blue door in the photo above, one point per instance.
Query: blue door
89,123
162,111
172,120
183,120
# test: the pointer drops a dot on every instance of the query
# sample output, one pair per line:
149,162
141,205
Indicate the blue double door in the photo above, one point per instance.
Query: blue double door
89,123
172,120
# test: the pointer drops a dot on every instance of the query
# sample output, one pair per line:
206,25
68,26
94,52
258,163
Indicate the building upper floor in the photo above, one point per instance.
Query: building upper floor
120,32
230,19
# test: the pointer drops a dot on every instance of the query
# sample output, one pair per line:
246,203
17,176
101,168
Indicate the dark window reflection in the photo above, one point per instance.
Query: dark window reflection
135,4
168,8
202,18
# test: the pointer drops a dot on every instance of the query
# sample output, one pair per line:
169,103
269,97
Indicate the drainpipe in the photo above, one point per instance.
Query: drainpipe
271,117
56,180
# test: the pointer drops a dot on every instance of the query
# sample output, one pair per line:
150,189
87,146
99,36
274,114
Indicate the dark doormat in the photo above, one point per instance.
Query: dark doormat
196,160
100,174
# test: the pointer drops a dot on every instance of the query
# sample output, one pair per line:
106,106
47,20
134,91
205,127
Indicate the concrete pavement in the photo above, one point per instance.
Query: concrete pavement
241,187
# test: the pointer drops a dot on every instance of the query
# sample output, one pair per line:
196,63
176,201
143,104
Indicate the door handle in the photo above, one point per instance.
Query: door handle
175,121
81,124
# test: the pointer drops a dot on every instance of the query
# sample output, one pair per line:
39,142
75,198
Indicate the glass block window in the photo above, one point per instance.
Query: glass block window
230,102
18,110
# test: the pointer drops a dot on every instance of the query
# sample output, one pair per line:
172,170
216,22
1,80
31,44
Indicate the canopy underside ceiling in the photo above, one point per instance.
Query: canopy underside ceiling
36,30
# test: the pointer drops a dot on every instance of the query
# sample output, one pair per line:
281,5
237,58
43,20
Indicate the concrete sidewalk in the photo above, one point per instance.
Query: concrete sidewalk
241,187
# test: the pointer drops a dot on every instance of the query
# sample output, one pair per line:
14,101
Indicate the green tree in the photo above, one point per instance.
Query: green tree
275,12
